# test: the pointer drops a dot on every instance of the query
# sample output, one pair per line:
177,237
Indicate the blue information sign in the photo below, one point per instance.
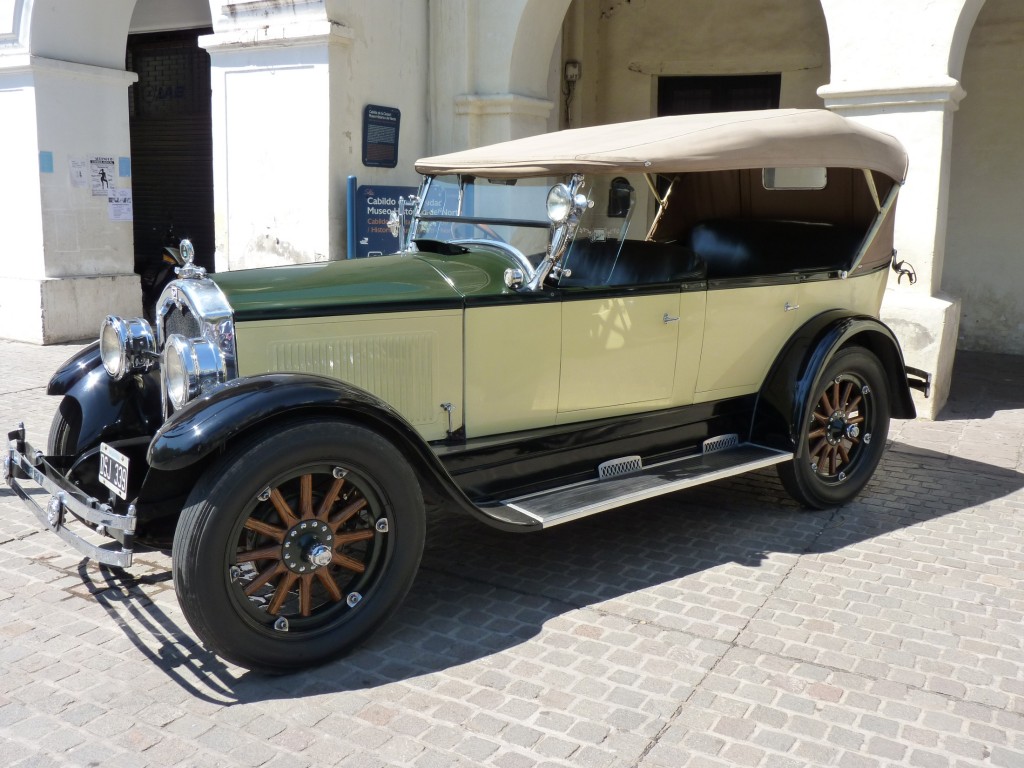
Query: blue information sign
373,206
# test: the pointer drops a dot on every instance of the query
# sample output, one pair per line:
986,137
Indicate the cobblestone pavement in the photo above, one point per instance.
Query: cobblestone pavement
716,627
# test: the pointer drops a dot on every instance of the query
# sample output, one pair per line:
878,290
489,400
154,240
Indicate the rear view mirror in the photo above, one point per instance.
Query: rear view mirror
794,178
620,197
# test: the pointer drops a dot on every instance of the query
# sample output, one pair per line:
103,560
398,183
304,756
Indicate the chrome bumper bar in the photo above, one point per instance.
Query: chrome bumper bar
67,504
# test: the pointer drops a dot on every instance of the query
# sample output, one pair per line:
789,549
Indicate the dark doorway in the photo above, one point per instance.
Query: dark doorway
717,93
172,143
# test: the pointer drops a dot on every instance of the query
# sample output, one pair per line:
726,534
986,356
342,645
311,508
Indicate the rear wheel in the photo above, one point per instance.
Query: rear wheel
294,548
843,431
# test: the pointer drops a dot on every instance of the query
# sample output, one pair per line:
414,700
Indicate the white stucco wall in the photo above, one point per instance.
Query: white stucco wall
985,247
289,88
160,15
625,47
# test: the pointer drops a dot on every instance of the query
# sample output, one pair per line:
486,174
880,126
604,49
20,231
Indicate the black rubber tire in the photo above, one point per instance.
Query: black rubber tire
210,533
826,487
64,429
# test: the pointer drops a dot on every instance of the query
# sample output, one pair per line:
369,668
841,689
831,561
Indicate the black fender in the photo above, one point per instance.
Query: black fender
788,385
213,421
110,410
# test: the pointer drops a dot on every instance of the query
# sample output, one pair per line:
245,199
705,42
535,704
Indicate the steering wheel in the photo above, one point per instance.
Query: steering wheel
500,245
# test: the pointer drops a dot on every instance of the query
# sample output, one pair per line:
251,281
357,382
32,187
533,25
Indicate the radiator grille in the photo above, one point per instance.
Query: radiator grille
182,322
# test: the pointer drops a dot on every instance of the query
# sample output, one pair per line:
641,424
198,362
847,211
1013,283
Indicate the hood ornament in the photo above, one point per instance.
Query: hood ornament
189,270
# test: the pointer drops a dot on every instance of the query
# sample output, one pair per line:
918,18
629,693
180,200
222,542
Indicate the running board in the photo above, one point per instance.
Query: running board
560,505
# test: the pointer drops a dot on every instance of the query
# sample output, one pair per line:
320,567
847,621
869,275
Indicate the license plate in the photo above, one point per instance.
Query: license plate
114,470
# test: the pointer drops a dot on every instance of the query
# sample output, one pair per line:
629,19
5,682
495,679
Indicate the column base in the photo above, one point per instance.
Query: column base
56,310
927,329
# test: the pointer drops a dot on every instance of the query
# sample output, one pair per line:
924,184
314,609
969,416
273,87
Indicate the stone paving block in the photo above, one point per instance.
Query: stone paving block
718,626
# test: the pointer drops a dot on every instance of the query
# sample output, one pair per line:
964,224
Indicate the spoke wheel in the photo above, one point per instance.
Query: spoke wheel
843,432
296,545
310,547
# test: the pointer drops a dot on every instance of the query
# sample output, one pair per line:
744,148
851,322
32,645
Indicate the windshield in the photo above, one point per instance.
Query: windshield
505,211
513,213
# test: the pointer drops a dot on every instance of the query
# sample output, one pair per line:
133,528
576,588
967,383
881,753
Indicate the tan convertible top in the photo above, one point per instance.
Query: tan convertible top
774,138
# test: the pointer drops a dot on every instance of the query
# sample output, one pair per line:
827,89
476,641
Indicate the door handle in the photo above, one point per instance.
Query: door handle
790,307
669,318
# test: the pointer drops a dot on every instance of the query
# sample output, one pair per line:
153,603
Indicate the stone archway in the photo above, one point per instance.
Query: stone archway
895,66
984,256
64,97
497,85
63,92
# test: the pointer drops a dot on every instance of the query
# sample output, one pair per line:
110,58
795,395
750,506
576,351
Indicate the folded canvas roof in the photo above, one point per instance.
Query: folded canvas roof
774,138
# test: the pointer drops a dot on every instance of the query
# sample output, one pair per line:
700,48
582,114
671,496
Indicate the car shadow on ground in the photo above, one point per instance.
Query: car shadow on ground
480,591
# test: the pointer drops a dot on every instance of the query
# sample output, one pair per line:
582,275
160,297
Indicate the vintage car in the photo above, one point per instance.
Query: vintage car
574,322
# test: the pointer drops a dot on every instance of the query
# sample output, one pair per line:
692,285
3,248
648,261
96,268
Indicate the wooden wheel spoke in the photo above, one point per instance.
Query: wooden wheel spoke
346,514
266,553
348,563
283,510
825,404
835,394
329,499
268,573
844,453
823,443
845,402
281,593
350,538
856,402
820,417
816,433
265,529
305,594
329,584
832,456
306,497
855,420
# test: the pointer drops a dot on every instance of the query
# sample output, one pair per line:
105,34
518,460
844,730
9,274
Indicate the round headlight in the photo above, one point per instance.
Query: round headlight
190,367
559,203
114,346
126,346
176,365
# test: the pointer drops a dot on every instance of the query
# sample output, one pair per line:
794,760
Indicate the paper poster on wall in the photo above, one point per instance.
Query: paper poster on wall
78,171
101,175
119,205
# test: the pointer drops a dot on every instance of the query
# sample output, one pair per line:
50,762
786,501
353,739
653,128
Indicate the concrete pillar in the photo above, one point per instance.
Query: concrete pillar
66,262
895,66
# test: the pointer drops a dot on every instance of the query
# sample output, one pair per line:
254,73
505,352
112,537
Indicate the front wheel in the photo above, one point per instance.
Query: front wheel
296,546
843,432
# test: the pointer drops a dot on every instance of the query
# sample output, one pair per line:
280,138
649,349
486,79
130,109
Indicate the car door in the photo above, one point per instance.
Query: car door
628,351
748,322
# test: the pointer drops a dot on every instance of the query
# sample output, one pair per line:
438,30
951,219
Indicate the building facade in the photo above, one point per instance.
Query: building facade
245,119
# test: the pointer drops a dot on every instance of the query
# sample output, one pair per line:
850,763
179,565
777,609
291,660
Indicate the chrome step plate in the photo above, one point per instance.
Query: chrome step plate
560,505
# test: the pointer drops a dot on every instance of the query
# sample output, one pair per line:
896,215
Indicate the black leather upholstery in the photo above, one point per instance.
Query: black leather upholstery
740,248
639,262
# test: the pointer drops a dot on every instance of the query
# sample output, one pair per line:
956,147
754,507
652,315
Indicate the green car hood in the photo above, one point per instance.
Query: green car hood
383,283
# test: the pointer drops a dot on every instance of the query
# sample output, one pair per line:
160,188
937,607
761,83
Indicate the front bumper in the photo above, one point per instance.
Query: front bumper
67,507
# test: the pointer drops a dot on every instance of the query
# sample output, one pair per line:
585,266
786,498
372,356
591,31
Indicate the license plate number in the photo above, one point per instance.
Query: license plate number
114,470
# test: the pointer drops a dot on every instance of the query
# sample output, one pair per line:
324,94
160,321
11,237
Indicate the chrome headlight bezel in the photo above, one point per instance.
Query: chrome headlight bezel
559,204
126,346
189,368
